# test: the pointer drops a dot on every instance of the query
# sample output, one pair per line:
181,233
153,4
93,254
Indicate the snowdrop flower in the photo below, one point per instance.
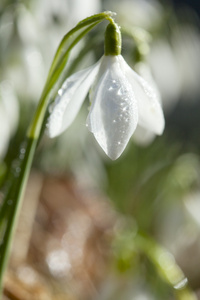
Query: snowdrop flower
120,100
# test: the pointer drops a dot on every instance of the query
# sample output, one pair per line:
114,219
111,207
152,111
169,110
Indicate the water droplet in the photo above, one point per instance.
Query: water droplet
121,92
22,150
114,85
22,153
124,108
181,284
114,121
60,92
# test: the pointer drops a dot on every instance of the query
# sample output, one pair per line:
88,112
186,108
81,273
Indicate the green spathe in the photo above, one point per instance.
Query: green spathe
113,40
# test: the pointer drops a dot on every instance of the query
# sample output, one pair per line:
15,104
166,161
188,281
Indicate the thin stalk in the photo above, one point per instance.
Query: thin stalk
166,267
15,209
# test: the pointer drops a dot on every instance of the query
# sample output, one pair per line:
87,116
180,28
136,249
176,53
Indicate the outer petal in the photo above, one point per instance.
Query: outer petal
113,116
69,100
143,70
150,111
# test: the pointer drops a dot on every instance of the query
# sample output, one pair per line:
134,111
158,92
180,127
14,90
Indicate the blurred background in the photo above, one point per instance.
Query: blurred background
91,228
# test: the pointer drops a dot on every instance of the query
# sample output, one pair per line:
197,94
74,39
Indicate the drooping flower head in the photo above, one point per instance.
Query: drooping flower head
120,100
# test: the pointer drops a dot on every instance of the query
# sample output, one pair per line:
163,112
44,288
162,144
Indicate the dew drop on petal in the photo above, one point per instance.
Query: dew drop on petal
60,92
181,284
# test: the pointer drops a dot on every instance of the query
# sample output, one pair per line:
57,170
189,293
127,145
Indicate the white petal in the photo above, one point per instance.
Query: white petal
69,100
113,116
144,71
150,111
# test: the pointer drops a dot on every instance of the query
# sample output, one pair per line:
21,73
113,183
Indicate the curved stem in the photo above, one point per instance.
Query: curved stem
86,22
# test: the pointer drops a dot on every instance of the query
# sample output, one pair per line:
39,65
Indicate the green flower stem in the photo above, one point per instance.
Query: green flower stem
15,196
18,176
166,267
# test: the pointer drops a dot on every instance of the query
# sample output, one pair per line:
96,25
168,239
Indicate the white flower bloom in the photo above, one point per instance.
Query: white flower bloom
120,100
